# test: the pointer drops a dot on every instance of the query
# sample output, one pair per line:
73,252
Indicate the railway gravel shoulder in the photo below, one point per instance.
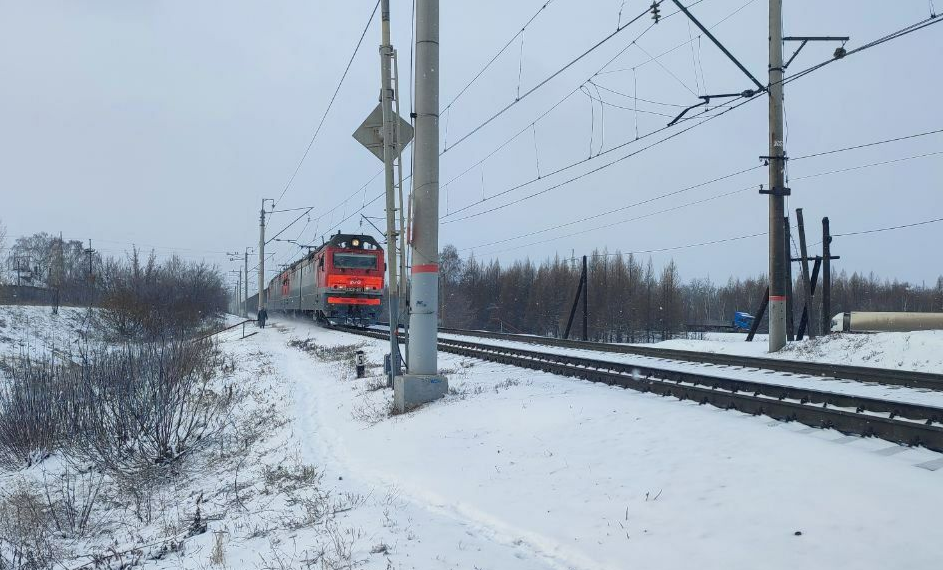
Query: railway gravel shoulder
896,421
890,377
903,394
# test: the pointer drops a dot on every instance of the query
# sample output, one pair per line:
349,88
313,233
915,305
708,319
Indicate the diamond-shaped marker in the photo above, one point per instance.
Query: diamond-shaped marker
369,133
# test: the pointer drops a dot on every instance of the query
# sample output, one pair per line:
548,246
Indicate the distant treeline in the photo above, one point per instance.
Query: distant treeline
629,301
144,299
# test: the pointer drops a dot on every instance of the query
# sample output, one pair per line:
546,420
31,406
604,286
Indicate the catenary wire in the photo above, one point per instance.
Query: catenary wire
677,192
726,109
330,104
496,56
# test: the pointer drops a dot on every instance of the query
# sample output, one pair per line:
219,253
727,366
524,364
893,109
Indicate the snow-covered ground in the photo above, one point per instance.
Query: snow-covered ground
837,385
920,351
35,331
518,469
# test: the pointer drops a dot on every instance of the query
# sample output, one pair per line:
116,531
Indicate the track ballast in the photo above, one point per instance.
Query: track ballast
898,422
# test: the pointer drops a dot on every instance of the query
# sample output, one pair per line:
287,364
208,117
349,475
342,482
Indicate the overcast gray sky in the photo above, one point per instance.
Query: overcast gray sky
164,123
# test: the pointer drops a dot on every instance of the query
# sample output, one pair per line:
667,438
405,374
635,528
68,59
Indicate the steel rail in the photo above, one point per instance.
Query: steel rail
887,376
898,422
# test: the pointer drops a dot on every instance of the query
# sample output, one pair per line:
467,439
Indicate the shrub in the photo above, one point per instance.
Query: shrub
33,420
26,538
152,301
125,409
148,404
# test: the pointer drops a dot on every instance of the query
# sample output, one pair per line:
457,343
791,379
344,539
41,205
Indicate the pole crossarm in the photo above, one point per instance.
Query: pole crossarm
706,99
710,36
807,39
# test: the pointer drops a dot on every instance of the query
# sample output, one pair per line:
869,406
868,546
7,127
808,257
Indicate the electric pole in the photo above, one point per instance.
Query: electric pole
244,306
389,153
826,277
777,185
261,302
422,383
60,275
90,252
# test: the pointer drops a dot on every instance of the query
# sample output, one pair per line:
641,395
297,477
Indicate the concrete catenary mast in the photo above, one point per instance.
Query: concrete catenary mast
422,383
777,182
261,302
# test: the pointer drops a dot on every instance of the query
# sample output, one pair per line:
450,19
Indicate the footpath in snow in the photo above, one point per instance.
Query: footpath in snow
520,469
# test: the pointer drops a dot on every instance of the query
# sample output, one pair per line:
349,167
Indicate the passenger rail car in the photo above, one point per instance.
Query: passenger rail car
340,282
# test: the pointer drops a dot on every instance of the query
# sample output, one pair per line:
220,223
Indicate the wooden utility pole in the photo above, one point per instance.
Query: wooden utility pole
826,277
807,284
60,275
806,321
755,325
580,291
789,293
585,301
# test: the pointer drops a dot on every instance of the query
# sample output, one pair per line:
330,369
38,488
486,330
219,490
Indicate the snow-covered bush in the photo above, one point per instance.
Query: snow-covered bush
147,404
157,301
33,416
124,410
26,530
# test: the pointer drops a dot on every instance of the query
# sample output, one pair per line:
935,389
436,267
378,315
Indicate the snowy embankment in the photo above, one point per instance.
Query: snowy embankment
518,469
921,351
514,469
36,331
836,385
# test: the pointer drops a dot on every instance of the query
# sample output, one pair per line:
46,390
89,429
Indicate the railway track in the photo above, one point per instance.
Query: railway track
898,422
923,380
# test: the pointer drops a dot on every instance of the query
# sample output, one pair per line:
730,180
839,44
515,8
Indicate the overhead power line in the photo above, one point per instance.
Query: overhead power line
675,193
496,56
553,107
869,144
889,228
759,234
550,77
725,109
562,100
330,104
511,139
686,246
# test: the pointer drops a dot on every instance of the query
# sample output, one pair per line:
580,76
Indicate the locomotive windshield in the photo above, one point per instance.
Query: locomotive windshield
355,261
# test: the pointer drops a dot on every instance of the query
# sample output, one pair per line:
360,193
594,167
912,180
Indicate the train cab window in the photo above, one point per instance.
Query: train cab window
355,261
321,264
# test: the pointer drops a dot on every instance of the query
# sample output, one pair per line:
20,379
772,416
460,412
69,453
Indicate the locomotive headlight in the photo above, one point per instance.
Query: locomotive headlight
356,242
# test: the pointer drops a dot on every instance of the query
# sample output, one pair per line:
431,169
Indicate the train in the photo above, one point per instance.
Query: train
859,321
339,282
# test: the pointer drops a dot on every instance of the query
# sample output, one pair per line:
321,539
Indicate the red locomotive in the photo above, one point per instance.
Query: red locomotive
340,282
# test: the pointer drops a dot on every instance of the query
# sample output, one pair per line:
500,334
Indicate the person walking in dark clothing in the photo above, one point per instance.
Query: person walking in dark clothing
263,316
